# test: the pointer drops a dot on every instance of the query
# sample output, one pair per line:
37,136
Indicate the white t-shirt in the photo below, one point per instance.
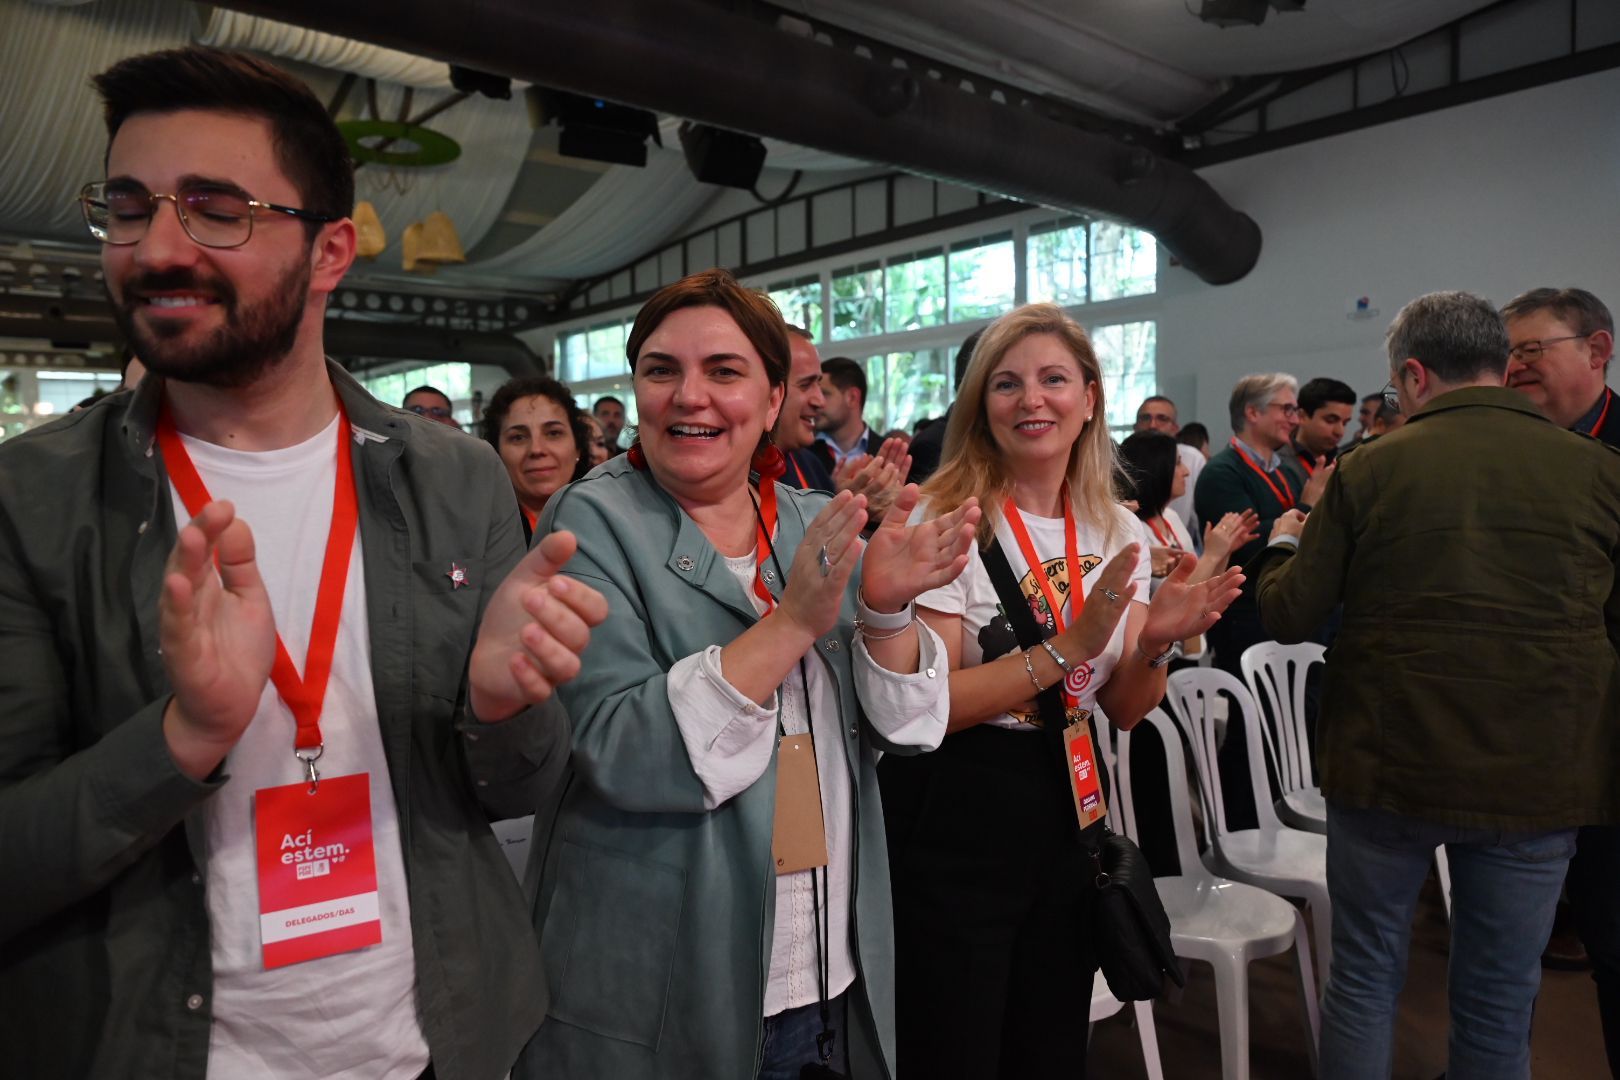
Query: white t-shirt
986,635
352,1015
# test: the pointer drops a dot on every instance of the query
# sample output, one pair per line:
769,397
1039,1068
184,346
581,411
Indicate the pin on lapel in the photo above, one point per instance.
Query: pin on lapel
458,576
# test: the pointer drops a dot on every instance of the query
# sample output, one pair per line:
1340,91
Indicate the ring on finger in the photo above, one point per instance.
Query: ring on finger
1113,597
823,561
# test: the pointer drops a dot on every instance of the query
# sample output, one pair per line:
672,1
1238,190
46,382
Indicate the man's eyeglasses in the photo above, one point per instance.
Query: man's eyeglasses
1289,411
213,215
437,412
1392,396
1528,352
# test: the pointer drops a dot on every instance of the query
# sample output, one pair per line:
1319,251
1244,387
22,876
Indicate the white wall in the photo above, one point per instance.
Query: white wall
1494,197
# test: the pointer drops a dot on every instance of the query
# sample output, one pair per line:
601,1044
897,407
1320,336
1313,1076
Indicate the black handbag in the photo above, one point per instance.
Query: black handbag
1130,930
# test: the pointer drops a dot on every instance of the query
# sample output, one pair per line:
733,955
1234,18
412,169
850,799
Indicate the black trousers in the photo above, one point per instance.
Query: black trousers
992,910
1594,892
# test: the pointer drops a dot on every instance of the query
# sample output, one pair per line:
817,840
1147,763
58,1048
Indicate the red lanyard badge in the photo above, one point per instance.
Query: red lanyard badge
306,696
765,528
1286,495
1076,680
1165,541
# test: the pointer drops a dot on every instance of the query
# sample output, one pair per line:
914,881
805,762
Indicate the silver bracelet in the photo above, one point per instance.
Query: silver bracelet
1029,666
1051,650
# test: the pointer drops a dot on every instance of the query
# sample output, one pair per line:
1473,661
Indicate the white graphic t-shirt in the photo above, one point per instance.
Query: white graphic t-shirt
986,633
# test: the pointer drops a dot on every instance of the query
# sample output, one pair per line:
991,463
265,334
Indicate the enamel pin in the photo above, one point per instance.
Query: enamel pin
458,576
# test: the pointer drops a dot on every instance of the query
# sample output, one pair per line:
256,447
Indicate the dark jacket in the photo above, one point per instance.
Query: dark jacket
1474,680
806,472
104,932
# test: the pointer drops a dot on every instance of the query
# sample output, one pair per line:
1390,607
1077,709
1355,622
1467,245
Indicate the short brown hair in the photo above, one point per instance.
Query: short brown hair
1585,312
308,146
755,314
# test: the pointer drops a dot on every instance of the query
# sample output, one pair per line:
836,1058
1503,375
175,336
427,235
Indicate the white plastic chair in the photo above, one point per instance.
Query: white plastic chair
1289,862
1276,676
1224,923
1104,1004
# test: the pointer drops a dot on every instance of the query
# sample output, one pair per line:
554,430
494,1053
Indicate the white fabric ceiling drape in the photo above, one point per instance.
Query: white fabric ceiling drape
51,135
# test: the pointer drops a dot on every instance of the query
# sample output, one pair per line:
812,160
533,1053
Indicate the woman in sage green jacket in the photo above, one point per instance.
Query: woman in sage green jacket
691,932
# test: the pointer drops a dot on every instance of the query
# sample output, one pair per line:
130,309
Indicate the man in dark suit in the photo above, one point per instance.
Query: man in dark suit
1468,694
1561,342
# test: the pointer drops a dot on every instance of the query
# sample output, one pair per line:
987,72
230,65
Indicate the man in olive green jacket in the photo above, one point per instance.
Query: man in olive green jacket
1470,695
145,743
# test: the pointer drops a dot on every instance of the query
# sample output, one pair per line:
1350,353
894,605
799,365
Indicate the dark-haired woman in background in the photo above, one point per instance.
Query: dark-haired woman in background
533,423
1157,475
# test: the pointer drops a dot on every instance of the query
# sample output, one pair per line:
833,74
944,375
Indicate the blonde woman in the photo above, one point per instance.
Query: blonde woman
992,892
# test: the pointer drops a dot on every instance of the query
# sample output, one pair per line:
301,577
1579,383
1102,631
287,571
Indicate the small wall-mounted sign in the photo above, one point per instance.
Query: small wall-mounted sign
1362,307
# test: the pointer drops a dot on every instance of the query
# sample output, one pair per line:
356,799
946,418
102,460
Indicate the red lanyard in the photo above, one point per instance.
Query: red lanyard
305,696
1310,470
1608,398
1167,541
1286,495
530,516
765,528
1071,552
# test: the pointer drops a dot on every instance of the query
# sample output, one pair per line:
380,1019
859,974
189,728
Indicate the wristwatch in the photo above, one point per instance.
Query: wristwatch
1169,654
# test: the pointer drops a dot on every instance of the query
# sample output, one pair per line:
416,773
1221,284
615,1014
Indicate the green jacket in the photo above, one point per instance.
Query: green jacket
104,935
1474,680
656,913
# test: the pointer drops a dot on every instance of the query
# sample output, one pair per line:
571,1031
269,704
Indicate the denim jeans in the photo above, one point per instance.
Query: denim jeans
790,1040
1504,889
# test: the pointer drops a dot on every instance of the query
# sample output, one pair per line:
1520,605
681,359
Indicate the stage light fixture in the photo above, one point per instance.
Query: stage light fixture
727,158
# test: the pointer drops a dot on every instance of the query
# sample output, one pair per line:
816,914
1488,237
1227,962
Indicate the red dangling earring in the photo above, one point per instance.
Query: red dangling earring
637,456
768,462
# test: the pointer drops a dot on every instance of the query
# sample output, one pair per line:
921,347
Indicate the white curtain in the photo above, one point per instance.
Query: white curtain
234,30
53,135
621,217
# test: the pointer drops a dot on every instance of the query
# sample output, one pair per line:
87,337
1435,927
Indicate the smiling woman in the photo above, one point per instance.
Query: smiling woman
725,726
541,435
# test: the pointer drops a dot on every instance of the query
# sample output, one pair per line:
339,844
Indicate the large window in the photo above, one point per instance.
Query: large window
904,387
983,278
1124,261
914,292
1057,263
857,302
59,391
1127,353
800,302
454,380
596,352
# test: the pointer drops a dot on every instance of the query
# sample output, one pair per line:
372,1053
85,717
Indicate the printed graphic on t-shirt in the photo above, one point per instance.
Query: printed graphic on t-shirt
996,637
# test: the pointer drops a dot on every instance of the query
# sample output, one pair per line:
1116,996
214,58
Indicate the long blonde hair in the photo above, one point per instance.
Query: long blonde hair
972,463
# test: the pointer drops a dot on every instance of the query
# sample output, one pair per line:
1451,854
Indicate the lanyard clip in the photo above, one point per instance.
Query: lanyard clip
309,757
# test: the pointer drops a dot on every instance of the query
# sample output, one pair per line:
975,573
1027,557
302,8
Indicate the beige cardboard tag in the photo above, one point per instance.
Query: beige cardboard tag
799,840
1084,780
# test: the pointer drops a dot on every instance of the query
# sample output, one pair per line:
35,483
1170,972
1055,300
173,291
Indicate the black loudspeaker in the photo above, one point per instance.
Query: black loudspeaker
716,156
1234,12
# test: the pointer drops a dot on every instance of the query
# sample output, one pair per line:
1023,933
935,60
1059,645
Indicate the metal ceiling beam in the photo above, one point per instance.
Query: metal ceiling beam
698,61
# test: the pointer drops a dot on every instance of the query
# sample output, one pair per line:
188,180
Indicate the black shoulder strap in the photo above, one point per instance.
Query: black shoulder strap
1054,717
1016,607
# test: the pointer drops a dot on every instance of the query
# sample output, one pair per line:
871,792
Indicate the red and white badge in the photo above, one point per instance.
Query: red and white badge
1084,782
317,870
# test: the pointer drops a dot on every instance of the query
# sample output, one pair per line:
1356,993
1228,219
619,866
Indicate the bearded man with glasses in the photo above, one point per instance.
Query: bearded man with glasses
1561,343
246,809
